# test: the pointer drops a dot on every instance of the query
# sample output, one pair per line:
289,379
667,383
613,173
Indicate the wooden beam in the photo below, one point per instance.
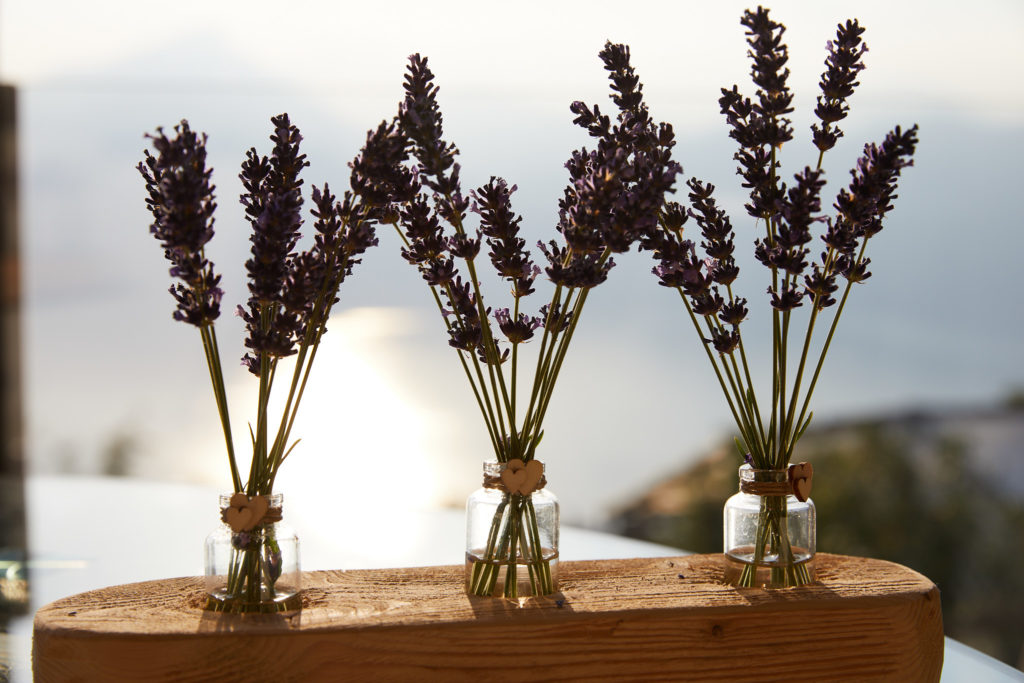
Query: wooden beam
666,619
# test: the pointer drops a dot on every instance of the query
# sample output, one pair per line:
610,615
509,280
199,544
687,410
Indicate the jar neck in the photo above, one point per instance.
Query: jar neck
493,468
764,482
748,473
243,514
506,477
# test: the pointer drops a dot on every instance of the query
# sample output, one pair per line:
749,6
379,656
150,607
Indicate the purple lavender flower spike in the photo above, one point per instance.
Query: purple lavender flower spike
500,225
617,190
182,203
844,63
378,176
273,204
761,125
785,218
518,330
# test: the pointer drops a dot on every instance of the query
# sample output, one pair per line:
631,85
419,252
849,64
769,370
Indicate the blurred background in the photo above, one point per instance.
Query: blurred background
919,418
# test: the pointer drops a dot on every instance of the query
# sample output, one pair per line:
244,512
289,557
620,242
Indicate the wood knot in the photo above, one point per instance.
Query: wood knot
716,631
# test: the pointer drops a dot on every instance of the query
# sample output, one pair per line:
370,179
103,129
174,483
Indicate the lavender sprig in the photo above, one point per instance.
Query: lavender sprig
291,292
705,283
613,198
273,206
873,188
844,62
182,203
500,225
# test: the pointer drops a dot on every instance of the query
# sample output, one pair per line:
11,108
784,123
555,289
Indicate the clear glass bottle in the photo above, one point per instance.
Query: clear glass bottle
501,526
255,570
769,535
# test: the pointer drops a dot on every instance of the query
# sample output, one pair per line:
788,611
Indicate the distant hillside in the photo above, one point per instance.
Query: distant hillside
941,492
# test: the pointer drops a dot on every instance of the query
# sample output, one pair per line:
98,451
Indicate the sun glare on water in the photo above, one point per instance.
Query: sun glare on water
356,425
362,464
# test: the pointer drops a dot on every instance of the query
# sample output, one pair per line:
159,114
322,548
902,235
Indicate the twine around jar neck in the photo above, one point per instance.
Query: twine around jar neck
795,480
506,477
766,488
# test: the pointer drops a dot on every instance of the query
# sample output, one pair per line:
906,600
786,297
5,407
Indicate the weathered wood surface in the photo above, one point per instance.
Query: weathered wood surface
663,619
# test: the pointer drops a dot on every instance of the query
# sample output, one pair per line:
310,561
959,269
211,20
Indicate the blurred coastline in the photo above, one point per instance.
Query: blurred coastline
939,491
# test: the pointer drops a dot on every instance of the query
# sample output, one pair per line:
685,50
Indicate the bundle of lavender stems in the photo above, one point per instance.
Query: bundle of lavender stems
786,214
291,291
614,196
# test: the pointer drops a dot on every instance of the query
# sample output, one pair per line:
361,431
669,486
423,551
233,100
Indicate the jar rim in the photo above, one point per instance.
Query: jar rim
495,468
275,500
748,473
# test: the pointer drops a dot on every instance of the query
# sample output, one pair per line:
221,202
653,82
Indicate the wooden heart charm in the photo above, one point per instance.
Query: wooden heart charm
522,478
534,471
514,475
800,477
244,513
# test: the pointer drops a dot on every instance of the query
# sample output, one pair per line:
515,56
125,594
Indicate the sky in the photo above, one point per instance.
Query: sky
940,323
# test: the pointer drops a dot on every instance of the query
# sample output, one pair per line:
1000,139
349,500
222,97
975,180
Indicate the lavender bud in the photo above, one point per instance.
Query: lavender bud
464,246
820,287
241,540
519,330
709,303
786,299
734,312
556,320
724,341
273,563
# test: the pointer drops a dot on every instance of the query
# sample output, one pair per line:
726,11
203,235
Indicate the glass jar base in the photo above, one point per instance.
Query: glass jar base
743,573
532,579
220,601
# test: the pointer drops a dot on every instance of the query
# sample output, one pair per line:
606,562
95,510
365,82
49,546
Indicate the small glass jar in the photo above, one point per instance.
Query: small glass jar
769,535
511,539
256,570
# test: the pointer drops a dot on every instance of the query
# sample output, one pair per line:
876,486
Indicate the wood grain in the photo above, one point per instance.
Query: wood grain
663,619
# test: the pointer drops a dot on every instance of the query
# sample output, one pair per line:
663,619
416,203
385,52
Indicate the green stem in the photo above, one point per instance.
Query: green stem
553,324
762,440
479,393
552,374
783,418
515,363
490,346
491,352
512,566
714,366
828,342
484,571
209,337
316,325
259,457
543,565
777,378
